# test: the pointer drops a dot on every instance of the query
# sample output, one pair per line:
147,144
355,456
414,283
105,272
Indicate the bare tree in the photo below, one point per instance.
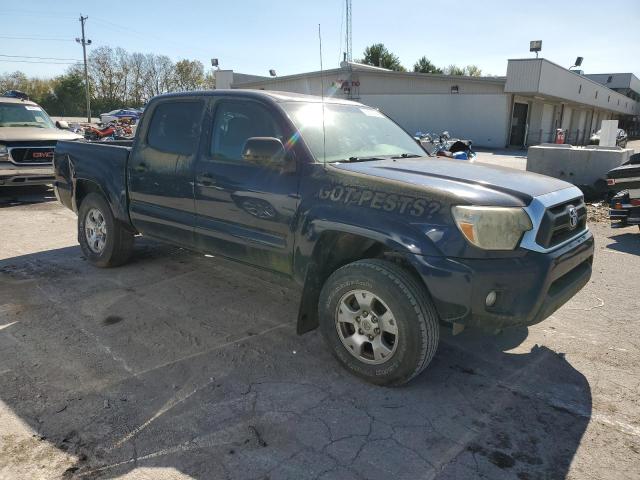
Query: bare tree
137,71
473,71
454,70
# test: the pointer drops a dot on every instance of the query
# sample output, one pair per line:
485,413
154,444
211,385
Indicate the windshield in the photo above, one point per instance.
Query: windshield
352,131
21,115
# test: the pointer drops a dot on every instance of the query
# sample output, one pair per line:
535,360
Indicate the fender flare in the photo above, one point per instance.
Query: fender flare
313,267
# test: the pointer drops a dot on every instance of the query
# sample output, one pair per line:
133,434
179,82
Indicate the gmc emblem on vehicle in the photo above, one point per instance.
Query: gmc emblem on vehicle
42,155
573,218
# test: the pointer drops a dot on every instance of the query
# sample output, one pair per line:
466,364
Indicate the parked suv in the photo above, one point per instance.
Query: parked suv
28,138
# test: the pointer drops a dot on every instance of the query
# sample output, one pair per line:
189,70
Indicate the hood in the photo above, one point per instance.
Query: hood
475,183
625,171
22,134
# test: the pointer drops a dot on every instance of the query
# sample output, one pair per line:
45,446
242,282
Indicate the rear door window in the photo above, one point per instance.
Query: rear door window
175,127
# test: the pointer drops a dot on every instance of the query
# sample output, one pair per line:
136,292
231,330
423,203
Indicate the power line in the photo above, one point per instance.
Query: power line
39,58
149,36
37,61
37,38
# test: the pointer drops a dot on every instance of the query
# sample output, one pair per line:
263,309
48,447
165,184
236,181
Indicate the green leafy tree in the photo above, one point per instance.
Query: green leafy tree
378,56
189,75
68,96
424,65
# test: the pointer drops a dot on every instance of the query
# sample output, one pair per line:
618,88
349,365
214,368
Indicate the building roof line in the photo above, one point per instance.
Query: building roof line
355,67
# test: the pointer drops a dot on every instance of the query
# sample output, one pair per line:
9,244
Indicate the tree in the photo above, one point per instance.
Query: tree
473,71
159,76
424,65
117,79
14,81
378,56
210,80
454,70
189,75
68,96
137,72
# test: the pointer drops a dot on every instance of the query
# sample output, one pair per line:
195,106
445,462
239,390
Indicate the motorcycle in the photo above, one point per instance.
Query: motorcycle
112,131
443,145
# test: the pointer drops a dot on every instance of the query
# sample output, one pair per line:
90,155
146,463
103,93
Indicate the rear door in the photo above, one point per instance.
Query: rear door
245,211
161,201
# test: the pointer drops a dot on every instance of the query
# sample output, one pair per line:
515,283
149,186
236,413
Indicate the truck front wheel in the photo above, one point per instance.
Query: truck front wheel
378,321
103,240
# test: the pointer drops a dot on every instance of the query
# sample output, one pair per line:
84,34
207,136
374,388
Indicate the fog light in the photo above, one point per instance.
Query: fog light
491,298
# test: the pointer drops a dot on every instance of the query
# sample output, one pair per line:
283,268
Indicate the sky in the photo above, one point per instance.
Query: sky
255,36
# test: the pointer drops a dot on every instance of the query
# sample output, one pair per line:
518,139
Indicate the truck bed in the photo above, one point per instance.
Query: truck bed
79,164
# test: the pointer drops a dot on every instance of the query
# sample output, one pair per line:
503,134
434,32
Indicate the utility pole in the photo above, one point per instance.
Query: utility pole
84,42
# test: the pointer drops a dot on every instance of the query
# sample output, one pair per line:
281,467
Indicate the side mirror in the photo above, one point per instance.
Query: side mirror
62,124
264,151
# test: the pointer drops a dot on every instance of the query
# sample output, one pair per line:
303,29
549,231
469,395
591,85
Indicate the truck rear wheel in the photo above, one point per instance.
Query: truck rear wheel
103,239
378,321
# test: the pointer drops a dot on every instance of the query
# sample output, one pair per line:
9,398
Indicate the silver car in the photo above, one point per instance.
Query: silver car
28,139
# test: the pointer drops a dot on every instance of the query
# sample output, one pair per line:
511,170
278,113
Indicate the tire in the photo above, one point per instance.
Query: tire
396,301
112,244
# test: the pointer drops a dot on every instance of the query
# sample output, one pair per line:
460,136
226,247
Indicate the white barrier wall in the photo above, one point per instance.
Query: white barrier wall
580,166
482,118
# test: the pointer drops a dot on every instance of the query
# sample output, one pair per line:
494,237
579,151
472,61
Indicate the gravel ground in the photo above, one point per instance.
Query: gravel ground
181,366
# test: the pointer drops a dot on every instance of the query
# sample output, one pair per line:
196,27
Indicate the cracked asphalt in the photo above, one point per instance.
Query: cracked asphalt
181,366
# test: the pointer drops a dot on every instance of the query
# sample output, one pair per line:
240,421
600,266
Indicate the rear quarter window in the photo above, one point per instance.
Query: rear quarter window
175,127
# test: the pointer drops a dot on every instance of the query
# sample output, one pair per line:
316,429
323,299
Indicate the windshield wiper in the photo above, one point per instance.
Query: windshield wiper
407,155
361,159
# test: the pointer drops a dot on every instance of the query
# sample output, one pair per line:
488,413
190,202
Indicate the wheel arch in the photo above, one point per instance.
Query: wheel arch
334,249
83,187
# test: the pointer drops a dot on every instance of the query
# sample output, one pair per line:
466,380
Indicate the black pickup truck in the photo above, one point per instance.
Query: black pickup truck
385,241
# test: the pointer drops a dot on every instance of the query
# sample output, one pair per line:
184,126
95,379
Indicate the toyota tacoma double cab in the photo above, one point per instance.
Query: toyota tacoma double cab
385,241
28,138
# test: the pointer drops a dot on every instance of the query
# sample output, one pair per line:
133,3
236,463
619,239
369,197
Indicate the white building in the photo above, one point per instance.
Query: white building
525,107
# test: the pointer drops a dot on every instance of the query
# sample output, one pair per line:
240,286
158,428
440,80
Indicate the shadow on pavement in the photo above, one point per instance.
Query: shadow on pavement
12,196
628,242
187,363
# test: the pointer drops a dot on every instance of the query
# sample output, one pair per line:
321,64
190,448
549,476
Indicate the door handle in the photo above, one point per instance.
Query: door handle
141,167
205,179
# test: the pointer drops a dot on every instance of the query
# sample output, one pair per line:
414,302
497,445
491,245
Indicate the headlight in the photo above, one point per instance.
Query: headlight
492,228
4,152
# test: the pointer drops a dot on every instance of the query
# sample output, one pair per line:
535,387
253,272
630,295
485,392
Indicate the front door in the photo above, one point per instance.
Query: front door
161,171
245,211
518,124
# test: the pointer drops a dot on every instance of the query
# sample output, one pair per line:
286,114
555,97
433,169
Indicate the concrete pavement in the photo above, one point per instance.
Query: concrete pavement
181,366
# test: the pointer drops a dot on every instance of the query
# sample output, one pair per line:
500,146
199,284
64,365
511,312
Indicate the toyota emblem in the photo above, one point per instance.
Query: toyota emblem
573,218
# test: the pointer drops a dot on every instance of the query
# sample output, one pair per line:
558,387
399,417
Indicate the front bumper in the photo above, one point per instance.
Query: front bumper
529,287
14,175
626,215
624,209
